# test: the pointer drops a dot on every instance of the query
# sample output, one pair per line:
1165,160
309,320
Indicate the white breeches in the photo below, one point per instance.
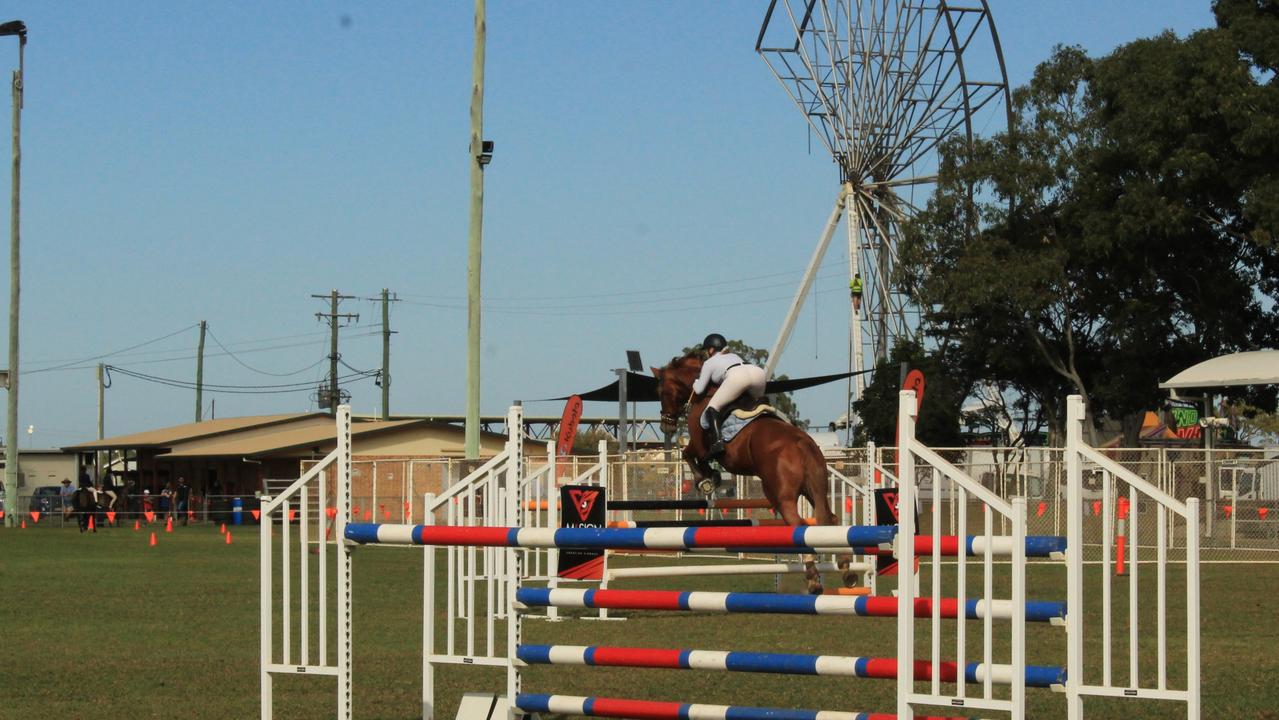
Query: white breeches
741,379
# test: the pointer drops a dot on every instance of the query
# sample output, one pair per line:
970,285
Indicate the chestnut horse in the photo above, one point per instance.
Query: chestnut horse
787,462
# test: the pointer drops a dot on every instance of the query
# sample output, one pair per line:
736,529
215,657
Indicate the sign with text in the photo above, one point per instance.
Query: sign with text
581,506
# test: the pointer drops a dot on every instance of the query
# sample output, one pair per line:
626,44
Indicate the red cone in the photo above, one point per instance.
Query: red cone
168,525
137,525
228,537
152,543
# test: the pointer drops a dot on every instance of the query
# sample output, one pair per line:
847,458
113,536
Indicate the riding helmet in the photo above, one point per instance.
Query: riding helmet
715,341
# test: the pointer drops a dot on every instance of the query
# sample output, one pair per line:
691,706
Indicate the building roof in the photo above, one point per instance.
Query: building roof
1257,367
166,437
283,435
274,441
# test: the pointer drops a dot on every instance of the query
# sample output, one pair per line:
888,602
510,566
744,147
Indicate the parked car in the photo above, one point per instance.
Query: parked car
46,498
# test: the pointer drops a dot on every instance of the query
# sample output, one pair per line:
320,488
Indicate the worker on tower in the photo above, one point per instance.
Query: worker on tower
855,287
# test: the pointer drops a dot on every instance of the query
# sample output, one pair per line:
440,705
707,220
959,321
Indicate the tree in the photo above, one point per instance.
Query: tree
784,402
939,415
1121,232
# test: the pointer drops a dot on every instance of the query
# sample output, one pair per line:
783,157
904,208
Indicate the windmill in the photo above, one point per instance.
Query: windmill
882,83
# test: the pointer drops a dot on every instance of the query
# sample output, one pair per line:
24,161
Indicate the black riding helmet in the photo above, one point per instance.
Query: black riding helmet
714,341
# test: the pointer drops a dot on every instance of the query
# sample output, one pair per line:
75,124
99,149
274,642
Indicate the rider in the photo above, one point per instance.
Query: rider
734,376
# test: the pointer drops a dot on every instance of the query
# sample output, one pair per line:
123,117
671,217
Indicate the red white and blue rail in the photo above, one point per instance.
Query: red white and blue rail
803,539
736,602
782,663
656,710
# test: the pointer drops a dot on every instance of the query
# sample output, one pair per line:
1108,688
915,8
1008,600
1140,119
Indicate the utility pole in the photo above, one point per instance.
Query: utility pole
386,352
481,154
101,414
18,28
97,457
199,375
334,319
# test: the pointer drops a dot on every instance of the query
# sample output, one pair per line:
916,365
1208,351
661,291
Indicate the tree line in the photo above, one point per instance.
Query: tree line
1124,229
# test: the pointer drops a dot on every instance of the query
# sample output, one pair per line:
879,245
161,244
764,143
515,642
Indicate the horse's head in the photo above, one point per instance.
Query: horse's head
675,387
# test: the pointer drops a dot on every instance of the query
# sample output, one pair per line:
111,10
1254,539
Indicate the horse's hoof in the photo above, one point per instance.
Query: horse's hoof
706,486
815,589
851,580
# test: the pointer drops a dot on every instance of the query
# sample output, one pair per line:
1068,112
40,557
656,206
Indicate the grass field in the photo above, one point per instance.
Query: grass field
104,626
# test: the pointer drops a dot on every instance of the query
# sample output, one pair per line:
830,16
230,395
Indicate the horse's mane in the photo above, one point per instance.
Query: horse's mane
679,359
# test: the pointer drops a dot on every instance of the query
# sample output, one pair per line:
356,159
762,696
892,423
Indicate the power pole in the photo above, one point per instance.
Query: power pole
101,387
334,319
11,430
199,375
481,154
97,457
386,353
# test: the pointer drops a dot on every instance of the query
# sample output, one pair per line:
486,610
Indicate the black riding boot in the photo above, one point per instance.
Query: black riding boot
714,434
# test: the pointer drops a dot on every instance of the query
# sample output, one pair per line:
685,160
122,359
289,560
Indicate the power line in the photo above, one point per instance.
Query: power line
236,389
590,296
256,370
578,312
116,352
369,333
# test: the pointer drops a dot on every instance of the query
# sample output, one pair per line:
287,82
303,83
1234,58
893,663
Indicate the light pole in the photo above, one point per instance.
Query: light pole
18,28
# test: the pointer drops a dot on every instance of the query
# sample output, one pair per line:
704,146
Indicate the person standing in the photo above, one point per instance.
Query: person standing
182,494
66,493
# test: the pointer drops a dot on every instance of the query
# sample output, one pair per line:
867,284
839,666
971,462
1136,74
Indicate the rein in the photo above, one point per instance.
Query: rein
683,410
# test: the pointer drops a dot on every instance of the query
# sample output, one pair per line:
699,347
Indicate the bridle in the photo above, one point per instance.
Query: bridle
673,419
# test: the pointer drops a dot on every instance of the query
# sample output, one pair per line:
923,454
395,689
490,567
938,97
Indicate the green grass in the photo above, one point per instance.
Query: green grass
105,626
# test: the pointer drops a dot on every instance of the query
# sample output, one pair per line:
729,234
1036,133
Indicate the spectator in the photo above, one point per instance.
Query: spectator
166,499
183,496
65,493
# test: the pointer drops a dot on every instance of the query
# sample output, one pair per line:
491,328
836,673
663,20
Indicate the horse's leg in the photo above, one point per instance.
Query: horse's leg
788,506
823,515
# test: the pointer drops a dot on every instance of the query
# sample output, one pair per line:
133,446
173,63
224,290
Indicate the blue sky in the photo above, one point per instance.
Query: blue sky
187,161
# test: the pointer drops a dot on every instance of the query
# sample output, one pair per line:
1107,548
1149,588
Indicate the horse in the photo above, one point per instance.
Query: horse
86,503
786,460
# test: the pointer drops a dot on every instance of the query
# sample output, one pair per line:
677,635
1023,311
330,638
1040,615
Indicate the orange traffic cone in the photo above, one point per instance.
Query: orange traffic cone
168,525
222,529
228,537
91,526
24,523
137,525
152,538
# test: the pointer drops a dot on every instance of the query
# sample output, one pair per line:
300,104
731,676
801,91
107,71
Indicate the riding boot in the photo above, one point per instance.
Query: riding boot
715,434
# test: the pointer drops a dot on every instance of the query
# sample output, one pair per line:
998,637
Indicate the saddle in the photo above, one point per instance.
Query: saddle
747,408
760,408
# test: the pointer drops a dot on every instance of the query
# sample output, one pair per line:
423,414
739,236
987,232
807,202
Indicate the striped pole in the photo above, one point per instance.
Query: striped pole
780,663
865,539
1039,611
803,538
655,710
784,568
747,522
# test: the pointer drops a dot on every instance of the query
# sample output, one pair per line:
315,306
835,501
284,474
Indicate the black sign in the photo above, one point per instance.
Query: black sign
886,514
581,506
